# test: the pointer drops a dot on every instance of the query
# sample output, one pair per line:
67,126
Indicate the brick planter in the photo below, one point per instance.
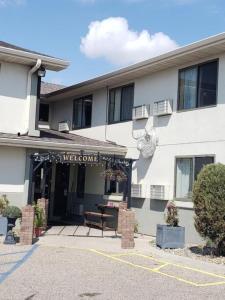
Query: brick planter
27,225
127,228
122,206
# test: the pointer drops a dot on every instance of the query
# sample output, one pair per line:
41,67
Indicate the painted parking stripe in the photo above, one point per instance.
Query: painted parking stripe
18,264
158,269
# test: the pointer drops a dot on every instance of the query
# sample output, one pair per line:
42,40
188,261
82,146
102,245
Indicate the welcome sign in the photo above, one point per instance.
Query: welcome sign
80,158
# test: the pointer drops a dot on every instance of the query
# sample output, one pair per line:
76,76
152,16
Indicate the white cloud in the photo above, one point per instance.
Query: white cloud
113,40
4,3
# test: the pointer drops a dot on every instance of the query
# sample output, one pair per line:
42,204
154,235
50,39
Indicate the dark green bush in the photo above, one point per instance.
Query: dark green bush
209,205
12,212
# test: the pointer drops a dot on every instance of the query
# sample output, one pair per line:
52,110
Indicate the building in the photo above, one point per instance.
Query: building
163,117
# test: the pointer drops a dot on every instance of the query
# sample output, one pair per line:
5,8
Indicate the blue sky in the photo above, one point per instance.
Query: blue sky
126,31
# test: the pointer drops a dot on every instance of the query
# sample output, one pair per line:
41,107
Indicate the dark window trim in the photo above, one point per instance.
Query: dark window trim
197,92
82,99
112,89
175,172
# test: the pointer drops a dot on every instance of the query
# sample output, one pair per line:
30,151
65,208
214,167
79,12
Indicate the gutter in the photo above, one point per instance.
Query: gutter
59,146
51,63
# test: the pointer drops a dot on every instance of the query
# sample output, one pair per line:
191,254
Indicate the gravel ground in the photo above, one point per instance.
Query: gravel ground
195,252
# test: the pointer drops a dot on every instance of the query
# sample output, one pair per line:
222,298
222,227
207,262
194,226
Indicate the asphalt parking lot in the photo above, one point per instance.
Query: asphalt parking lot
65,272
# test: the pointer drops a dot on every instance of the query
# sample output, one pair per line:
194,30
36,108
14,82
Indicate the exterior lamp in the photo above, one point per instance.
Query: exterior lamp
41,72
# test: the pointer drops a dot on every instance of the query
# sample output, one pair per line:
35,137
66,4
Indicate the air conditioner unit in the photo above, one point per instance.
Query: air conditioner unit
160,192
138,191
64,126
162,108
141,112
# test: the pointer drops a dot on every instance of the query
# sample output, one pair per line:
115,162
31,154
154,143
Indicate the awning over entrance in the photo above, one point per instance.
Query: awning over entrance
53,140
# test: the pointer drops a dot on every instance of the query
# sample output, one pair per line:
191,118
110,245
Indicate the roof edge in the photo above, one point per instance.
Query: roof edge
131,68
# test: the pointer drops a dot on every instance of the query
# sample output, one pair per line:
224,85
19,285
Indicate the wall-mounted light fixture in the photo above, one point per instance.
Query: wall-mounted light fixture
41,72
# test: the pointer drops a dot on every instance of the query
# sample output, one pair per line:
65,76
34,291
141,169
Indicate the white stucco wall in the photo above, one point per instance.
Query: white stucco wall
12,175
184,133
14,109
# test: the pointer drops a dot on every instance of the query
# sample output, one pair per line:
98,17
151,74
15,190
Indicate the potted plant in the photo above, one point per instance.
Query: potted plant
4,202
170,235
12,213
38,220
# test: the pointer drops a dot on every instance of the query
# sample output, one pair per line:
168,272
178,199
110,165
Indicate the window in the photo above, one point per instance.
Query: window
198,86
121,102
187,170
44,112
113,186
82,112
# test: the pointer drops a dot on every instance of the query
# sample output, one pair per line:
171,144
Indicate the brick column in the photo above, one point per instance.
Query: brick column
127,227
43,203
27,225
122,206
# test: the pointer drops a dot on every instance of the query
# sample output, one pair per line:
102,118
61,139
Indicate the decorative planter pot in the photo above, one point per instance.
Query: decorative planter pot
170,237
38,231
9,239
3,225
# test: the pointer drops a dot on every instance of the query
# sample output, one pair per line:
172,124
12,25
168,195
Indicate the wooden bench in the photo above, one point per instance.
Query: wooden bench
90,215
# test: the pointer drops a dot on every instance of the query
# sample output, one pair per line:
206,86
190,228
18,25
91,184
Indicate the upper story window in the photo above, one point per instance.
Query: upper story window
44,112
82,112
198,86
121,102
187,170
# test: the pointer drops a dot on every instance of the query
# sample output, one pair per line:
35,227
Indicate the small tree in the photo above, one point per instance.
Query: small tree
209,204
172,214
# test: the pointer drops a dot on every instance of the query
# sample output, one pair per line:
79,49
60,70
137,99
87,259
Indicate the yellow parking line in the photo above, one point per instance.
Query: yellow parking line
185,267
142,267
157,270
123,254
160,267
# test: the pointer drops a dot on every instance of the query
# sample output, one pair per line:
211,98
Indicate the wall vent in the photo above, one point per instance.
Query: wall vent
141,112
64,126
162,108
138,191
160,192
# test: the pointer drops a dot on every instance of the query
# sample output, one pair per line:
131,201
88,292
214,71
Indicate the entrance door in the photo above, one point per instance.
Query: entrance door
61,189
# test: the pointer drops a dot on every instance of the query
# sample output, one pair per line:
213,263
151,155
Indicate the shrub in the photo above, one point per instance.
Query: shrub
12,212
209,205
4,202
172,214
38,216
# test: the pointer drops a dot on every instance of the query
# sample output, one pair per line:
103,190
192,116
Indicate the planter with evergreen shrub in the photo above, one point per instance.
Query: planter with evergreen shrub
12,213
170,235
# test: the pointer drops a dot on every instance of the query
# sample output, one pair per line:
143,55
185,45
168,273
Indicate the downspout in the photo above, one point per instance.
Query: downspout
31,131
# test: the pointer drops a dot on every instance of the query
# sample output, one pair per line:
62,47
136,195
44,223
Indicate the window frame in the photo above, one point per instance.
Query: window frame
82,99
193,157
108,106
117,186
216,60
